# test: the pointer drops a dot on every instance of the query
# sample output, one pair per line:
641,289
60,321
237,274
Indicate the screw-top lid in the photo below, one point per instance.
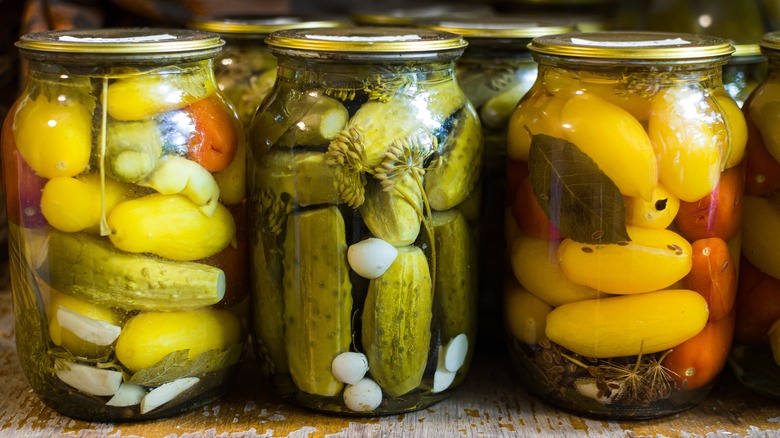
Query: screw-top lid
367,43
408,16
257,26
489,29
634,46
770,41
119,44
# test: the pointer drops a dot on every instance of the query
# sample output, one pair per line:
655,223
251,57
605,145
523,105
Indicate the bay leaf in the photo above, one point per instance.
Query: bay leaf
177,365
580,200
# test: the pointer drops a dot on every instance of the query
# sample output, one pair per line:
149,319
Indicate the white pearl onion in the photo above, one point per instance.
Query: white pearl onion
349,367
364,396
370,258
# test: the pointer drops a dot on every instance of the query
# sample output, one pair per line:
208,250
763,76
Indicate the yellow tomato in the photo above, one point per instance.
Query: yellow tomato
764,110
652,260
148,337
78,343
689,135
658,212
628,325
75,204
538,113
615,140
53,138
525,314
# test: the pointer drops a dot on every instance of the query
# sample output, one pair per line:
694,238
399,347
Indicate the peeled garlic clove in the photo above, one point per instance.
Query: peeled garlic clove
165,393
129,394
442,379
87,379
349,367
88,329
455,352
370,258
364,396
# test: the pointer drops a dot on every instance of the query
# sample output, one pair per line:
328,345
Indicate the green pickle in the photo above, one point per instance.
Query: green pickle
355,311
128,284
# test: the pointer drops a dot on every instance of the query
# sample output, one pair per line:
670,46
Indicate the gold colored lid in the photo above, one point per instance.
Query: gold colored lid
120,41
260,26
410,15
518,27
746,50
367,40
770,41
633,46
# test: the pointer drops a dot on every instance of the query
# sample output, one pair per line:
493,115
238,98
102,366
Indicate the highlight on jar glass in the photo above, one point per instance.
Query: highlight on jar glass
495,72
245,70
744,71
755,355
364,164
625,235
129,268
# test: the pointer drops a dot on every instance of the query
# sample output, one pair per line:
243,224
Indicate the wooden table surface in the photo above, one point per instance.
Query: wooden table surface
490,403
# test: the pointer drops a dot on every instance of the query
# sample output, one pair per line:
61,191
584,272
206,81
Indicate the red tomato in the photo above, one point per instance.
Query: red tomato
216,136
713,274
529,216
23,187
516,171
762,171
717,215
758,304
697,361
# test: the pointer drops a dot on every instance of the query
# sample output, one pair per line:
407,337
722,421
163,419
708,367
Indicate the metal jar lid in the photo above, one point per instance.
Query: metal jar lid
632,46
366,43
489,30
770,42
257,26
119,44
407,16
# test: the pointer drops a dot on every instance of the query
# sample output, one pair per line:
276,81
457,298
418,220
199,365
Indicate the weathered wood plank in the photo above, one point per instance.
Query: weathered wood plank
490,403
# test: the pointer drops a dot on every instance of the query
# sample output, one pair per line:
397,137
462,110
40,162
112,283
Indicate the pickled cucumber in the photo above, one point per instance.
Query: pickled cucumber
317,298
132,149
390,215
448,184
89,268
456,282
303,175
397,323
319,125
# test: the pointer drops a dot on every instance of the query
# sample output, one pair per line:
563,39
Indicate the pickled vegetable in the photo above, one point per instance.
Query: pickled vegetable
718,214
95,330
652,260
304,176
540,114
394,215
658,321
658,212
178,175
76,204
150,336
623,152
53,138
525,314
319,125
217,134
396,323
132,150
317,299
170,226
144,96
88,268
689,136
761,234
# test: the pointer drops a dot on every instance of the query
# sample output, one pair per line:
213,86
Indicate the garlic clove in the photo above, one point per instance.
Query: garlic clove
442,379
349,367
370,258
88,329
88,379
129,394
455,352
165,393
364,396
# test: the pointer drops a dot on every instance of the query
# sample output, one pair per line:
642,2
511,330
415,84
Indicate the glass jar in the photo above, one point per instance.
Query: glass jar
126,223
244,68
633,153
744,71
495,72
363,162
756,352
585,15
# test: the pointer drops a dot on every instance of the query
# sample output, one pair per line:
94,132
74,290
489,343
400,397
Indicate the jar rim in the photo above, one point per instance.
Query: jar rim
258,25
365,40
770,41
634,46
490,28
404,16
98,43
